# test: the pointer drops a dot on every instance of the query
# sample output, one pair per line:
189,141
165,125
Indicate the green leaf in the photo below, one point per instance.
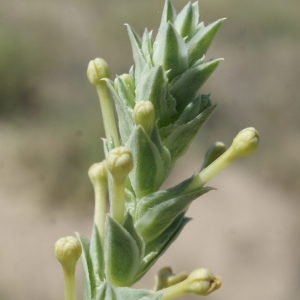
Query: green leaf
121,254
149,163
158,218
198,105
201,41
138,56
96,255
153,87
187,20
186,86
139,294
129,226
130,202
108,292
168,14
157,247
124,114
147,46
156,198
89,282
170,51
125,92
181,137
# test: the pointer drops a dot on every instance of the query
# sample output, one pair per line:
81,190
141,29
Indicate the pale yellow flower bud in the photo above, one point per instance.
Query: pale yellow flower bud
143,114
119,163
200,282
98,172
246,142
97,70
67,251
203,282
127,79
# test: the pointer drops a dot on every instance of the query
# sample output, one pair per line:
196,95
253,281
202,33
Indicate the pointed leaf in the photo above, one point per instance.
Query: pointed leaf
96,254
199,44
198,105
179,140
139,294
187,20
121,254
157,219
125,92
147,46
158,246
156,198
130,202
124,114
129,226
108,292
89,282
168,14
138,56
153,87
170,51
149,163
187,86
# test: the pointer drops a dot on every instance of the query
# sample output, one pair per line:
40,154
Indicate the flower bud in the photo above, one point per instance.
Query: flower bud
128,80
119,163
143,114
67,251
202,282
97,70
246,142
98,172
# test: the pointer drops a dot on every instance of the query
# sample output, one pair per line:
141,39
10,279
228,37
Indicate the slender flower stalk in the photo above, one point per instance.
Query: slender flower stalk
165,278
119,163
244,144
96,72
200,282
98,176
67,251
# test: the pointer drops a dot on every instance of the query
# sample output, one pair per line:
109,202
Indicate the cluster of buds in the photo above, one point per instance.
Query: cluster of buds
160,111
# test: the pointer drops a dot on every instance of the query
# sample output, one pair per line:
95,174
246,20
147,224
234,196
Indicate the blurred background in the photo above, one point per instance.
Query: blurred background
247,232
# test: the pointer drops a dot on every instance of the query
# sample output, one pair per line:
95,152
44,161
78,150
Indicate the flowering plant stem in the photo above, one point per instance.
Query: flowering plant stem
160,111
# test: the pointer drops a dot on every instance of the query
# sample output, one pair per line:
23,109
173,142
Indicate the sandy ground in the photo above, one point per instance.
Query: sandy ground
247,232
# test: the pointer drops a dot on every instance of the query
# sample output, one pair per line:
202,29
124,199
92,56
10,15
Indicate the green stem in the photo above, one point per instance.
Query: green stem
69,284
174,291
100,208
117,203
108,114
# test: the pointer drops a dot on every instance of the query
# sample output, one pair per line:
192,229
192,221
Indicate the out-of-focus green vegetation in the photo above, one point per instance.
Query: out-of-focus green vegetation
45,96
